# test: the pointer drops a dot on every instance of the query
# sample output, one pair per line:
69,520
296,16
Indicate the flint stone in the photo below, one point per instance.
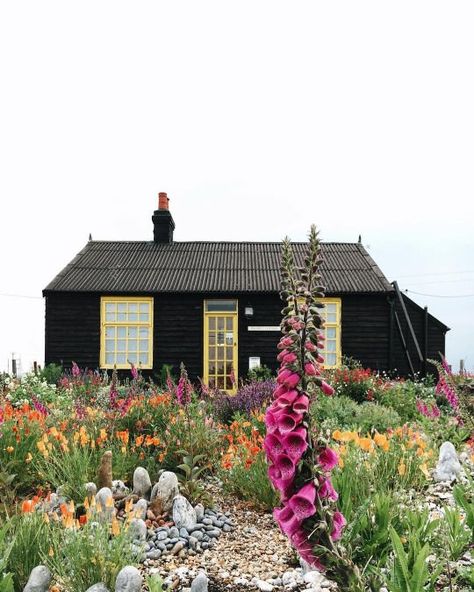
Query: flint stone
141,482
91,489
166,490
101,499
129,579
184,514
199,509
448,466
200,583
119,488
39,580
137,529
140,508
98,588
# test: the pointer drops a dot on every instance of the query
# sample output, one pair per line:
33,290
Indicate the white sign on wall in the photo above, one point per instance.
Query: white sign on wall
254,362
264,328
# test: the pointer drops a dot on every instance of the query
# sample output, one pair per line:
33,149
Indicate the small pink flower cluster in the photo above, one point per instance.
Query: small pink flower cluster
287,442
184,388
432,411
445,389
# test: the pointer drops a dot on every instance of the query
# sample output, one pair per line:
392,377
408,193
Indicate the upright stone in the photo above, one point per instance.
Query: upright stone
104,477
166,490
184,515
128,579
448,466
39,580
100,587
91,489
141,482
200,583
140,508
137,529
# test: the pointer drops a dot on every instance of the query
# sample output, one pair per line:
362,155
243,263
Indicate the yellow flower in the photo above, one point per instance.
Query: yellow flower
366,444
424,470
115,527
29,457
51,552
382,441
402,469
10,449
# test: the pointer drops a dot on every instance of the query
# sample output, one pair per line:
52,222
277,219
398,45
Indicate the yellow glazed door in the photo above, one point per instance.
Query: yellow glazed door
220,344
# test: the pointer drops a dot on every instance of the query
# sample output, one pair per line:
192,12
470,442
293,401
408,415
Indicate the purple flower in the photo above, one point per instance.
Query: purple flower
338,523
328,459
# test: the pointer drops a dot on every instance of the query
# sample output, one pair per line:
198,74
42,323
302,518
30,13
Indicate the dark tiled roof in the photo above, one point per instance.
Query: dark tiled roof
210,267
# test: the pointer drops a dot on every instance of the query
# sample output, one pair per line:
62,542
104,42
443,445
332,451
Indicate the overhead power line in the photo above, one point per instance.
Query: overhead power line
440,295
436,273
21,296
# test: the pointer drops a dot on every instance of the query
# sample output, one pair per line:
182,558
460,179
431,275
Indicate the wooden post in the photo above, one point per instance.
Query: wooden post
35,367
462,369
391,349
404,343
425,341
408,320
13,366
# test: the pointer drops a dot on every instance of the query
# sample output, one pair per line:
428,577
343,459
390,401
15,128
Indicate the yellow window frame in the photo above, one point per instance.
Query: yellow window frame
336,325
235,358
138,324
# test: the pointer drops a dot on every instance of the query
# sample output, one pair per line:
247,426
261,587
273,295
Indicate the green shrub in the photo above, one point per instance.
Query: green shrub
260,373
373,417
335,412
51,373
402,397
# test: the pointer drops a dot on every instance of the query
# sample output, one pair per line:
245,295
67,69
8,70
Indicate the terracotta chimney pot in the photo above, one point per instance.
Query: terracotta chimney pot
163,201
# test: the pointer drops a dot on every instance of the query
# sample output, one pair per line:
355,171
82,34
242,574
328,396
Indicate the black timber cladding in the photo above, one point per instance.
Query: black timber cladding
210,267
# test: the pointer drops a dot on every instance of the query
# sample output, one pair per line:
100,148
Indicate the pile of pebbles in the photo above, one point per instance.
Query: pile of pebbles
187,541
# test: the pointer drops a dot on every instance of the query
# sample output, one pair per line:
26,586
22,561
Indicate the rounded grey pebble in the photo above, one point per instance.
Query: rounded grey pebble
198,534
205,545
162,535
227,527
218,523
169,546
192,542
174,532
183,533
207,521
161,546
100,587
197,526
155,554
214,534
174,540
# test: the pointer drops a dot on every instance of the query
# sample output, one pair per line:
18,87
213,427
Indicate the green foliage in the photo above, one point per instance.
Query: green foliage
372,417
51,373
7,486
30,542
191,486
457,537
251,483
409,572
334,412
6,545
402,396
367,535
464,498
260,373
154,583
81,558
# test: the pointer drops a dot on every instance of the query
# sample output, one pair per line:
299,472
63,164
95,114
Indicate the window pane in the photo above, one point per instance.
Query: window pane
220,353
229,386
221,305
212,368
121,345
331,317
110,331
220,323
229,338
132,358
331,307
220,382
110,307
109,358
132,307
121,359
331,345
143,345
229,323
212,323
132,345
144,307
109,345
143,358
110,316
122,307
121,332
143,332
121,317
212,382
143,317
212,353
220,368
228,368
132,332
220,338
331,332
330,360
229,353
132,317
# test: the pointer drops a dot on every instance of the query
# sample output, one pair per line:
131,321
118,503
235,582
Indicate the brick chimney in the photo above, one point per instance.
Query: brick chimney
163,223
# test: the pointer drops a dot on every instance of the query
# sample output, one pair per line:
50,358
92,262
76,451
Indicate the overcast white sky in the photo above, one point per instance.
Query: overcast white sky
258,118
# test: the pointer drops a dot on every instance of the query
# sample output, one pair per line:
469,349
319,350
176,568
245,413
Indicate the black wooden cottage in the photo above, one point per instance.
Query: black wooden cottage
215,306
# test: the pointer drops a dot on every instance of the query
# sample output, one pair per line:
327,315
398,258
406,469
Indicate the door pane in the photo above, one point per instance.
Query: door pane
220,323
